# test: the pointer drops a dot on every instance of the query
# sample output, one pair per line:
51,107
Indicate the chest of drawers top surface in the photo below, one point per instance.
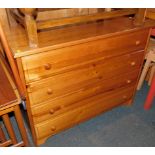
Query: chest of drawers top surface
70,35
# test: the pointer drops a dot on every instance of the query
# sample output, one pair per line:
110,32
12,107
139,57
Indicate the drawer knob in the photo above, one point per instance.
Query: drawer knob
124,97
128,81
53,128
47,66
52,111
133,63
137,42
49,91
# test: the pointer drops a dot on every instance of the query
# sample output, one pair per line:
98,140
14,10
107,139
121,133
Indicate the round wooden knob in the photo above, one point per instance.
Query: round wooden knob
137,42
124,97
49,91
47,66
53,128
133,63
52,111
128,81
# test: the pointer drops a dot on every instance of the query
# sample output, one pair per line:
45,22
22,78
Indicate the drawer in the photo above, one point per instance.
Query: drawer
45,64
52,108
68,82
90,108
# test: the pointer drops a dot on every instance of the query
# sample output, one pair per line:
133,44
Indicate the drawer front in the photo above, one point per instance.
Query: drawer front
43,65
66,83
53,108
90,108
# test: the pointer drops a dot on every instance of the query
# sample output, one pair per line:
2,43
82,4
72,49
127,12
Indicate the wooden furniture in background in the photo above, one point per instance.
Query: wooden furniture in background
9,102
4,18
149,65
150,13
150,57
12,63
31,19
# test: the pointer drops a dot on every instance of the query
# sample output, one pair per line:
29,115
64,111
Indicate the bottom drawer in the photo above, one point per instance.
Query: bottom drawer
91,107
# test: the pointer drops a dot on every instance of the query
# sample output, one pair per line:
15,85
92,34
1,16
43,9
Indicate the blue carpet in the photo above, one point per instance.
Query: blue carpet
122,126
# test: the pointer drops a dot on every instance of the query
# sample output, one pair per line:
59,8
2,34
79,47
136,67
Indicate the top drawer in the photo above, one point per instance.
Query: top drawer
42,65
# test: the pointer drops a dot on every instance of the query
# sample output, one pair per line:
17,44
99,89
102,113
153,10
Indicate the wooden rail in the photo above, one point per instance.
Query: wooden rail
150,13
9,128
86,18
2,136
12,62
7,123
9,103
32,25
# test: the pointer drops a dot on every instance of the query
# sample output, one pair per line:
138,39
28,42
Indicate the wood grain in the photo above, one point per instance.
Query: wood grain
7,95
86,18
78,71
9,128
68,82
150,13
54,107
91,107
65,58
2,135
31,29
140,16
72,35
11,61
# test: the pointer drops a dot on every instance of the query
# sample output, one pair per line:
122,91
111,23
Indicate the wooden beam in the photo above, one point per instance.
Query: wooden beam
2,136
19,18
150,13
21,125
9,128
140,16
30,24
11,61
80,19
19,144
31,29
4,18
6,143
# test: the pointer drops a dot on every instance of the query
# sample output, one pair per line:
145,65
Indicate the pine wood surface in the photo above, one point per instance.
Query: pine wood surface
70,35
62,84
57,61
150,13
56,106
79,71
89,108
7,94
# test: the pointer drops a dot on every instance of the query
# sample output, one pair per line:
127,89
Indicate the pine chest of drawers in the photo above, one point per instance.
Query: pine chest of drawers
79,72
